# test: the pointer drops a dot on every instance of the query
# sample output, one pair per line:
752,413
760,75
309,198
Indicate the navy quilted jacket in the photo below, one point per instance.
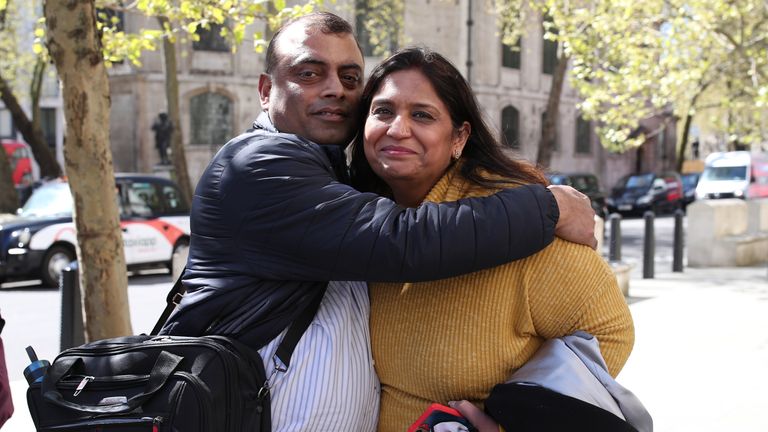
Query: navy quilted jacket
272,222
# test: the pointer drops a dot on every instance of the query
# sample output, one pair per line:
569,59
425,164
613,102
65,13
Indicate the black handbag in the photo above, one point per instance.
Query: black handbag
160,383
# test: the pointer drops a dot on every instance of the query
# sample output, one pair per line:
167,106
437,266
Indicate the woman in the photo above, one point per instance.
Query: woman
424,139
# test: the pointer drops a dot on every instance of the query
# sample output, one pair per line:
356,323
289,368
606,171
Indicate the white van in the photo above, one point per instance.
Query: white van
738,174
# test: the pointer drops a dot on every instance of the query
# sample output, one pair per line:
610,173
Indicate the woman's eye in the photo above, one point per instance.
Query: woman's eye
422,115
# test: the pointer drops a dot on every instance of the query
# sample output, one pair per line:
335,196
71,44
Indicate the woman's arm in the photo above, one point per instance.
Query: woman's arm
572,288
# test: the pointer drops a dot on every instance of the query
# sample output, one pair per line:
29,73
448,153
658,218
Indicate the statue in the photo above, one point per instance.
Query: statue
163,129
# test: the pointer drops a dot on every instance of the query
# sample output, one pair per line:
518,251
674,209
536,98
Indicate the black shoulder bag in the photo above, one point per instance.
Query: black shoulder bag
161,383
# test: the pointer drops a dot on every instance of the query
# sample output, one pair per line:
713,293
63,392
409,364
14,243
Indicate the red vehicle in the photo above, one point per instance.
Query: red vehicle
20,159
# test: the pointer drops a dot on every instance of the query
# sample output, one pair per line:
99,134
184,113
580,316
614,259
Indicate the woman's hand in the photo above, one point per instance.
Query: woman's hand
478,418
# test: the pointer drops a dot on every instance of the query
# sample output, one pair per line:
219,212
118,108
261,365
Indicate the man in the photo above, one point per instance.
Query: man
272,222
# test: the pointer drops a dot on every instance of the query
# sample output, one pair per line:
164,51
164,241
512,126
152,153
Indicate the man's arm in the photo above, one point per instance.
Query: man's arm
286,218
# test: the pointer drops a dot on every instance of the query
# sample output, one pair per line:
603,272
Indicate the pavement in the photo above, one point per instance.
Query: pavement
700,361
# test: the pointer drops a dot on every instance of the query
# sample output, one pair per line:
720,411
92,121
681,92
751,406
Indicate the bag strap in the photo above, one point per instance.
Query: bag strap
172,300
297,329
291,338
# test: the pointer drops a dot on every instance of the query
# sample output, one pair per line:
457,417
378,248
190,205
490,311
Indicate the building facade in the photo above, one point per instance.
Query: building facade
218,92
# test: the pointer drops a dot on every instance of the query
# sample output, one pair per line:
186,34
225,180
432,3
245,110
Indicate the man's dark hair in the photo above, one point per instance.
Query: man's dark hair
326,22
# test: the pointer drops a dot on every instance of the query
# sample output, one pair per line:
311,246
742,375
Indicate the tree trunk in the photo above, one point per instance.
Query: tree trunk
549,129
35,90
684,142
687,127
178,154
75,48
32,135
9,198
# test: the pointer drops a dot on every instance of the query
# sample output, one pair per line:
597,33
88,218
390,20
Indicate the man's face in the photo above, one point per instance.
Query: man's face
315,86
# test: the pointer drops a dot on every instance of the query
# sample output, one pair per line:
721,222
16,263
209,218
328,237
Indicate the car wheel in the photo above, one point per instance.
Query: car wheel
178,259
55,261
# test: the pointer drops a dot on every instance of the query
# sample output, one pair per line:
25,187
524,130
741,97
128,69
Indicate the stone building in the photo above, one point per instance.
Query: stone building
218,92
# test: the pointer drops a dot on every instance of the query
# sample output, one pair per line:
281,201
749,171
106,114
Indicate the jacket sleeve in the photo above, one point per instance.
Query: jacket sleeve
287,218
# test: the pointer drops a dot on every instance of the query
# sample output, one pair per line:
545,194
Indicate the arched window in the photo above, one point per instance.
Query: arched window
510,127
210,117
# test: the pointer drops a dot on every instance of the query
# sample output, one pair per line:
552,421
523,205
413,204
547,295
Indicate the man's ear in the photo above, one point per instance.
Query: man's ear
265,86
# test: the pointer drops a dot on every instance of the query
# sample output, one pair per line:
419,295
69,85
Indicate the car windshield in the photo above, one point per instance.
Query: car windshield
585,184
642,181
725,173
49,200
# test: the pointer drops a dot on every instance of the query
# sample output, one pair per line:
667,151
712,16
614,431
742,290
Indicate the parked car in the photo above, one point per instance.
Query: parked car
690,180
637,193
586,183
41,241
20,158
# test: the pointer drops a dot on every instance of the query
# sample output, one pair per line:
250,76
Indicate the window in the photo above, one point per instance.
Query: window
143,200
211,39
510,56
173,200
556,144
583,136
114,19
549,50
210,118
510,127
111,17
6,124
389,41
48,125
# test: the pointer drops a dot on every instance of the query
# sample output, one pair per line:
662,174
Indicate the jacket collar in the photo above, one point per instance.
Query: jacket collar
335,154
263,122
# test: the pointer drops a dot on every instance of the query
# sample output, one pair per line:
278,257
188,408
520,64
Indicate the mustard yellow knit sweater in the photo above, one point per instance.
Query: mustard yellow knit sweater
456,338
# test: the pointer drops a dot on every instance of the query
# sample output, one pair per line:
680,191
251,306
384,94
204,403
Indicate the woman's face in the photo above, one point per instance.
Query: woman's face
408,136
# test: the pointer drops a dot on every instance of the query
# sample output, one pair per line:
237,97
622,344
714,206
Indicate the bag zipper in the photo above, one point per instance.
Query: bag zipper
156,422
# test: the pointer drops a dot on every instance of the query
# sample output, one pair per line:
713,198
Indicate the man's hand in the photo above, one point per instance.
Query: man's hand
577,218
480,420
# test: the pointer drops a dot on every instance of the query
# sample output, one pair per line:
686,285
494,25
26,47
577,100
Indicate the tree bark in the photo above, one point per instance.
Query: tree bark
687,128
684,142
9,198
549,129
75,47
32,135
178,155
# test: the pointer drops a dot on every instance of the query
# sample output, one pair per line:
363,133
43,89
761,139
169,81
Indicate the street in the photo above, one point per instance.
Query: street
698,363
632,238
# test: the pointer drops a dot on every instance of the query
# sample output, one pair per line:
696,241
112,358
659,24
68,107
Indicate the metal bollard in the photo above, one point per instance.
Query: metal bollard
614,243
649,245
678,245
72,333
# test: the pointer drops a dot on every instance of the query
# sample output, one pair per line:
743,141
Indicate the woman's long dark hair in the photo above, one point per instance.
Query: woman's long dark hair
482,154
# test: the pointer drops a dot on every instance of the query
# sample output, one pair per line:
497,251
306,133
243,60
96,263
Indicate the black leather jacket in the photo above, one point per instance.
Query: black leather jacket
272,223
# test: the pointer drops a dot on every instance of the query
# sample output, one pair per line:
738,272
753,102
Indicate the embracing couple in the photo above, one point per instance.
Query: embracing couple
446,272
